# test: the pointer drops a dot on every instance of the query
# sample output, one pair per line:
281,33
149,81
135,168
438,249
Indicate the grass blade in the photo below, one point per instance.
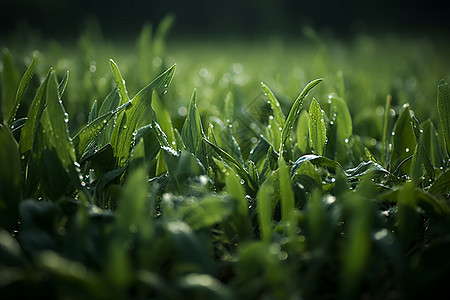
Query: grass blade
121,86
63,84
287,196
443,104
403,143
26,78
122,136
192,131
28,131
317,129
384,150
275,105
295,110
89,132
231,161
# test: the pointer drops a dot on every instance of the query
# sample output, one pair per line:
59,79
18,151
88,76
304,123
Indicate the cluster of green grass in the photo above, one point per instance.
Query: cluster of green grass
146,194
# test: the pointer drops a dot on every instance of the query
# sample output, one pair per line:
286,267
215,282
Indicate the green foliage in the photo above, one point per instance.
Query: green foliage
144,203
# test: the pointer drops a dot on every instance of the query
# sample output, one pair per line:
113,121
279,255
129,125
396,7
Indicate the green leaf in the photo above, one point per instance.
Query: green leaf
341,116
287,196
206,212
264,201
26,78
93,114
443,104
317,129
110,103
295,110
63,84
9,83
441,186
408,217
132,211
27,133
192,131
237,192
384,137
303,131
403,142
122,136
57,130
275,105
431,142
89,132
232,162
317,160
121,86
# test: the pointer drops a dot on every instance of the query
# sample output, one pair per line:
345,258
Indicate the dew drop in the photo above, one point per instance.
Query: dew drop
346,141
22,157
407,150
270,117
125,126
242,181
393,133
66,117
83,183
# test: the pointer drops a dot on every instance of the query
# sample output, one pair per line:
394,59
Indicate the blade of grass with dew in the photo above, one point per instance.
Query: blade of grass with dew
110,103
431,142
27,134
26,78
420,158
341,116
403,142
275,105
84,137
162,117
317,129
56,126
121,85
192,131
122,136
232,162
295,110
93,113
443,104
63,84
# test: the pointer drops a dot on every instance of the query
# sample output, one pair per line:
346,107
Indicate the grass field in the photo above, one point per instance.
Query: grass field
215,168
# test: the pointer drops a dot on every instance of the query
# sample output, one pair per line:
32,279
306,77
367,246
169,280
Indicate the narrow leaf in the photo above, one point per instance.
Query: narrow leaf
295,110
443,104
121,86
275,105
317,129
34,114
26,78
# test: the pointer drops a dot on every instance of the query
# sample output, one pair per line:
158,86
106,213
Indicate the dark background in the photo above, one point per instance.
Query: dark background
233,17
